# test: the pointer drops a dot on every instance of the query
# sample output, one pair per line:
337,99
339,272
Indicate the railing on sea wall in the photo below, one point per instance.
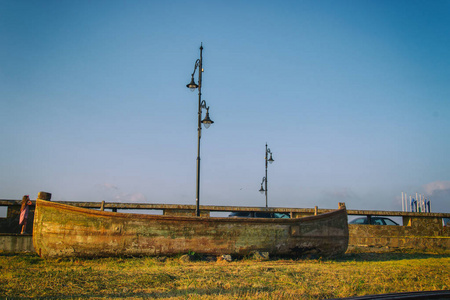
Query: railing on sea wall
295,212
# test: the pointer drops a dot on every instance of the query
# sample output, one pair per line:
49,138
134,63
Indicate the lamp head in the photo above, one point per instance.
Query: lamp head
207,121
270,159
261,190
192,85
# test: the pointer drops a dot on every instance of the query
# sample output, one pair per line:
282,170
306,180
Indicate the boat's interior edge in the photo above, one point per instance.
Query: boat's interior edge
93,212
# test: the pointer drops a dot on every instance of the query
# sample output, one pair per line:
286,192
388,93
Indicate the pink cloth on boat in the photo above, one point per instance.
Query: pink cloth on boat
24,215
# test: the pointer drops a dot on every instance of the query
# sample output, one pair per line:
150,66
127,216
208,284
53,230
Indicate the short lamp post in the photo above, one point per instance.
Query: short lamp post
263,189
206,121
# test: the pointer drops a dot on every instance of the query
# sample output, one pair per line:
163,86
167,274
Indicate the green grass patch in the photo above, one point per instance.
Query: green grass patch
352,275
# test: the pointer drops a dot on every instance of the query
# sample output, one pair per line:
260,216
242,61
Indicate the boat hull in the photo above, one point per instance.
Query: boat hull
66,231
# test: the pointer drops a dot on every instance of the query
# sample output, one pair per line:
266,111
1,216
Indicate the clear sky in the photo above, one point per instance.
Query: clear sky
352,97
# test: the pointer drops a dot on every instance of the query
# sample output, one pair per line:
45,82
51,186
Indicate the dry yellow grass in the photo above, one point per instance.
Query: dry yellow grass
354,274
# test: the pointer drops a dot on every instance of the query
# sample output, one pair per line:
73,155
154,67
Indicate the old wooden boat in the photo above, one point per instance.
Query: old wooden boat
62,230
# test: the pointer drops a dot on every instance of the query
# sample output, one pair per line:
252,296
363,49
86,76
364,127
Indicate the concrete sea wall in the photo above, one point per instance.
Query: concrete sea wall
417,233
16,243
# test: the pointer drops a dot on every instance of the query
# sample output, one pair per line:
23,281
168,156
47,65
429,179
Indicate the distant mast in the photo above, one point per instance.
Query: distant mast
418,204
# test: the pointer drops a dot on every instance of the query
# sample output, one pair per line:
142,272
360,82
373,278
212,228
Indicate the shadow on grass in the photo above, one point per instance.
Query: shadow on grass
33,258
373,256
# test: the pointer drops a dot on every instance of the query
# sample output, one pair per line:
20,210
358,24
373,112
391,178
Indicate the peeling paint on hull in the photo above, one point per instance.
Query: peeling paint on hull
63,231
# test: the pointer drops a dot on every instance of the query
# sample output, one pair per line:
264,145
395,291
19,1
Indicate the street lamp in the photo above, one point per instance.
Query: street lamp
264,180
206,121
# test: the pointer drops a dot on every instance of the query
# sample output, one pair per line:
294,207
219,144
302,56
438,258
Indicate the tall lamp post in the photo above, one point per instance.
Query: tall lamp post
206,121
264,180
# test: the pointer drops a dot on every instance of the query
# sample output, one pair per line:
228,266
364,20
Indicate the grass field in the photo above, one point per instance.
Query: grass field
352,275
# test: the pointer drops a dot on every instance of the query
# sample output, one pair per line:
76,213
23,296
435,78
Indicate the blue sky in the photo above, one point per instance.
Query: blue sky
352,98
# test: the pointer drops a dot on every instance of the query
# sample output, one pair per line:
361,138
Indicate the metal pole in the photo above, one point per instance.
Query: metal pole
403,203
197,209
406,202
266,176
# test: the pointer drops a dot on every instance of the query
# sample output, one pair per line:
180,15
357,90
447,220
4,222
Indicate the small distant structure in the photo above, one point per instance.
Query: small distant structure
418,204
